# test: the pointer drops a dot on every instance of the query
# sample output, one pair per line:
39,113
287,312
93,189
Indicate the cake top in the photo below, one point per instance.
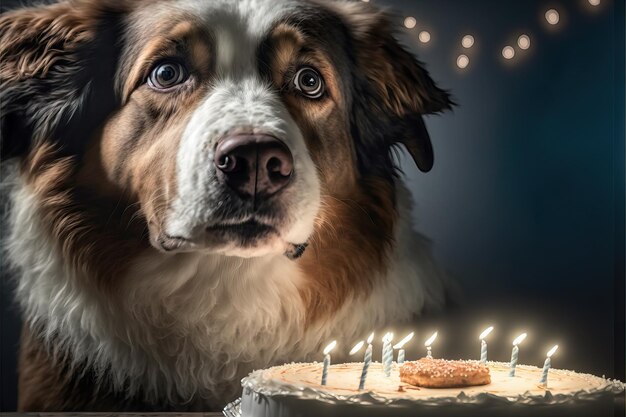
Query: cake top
303,380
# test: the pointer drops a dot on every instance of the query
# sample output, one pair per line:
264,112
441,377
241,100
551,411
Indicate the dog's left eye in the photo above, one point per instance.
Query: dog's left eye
309,82
167,75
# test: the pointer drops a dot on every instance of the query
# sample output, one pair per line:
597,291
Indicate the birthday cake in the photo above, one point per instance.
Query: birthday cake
294,390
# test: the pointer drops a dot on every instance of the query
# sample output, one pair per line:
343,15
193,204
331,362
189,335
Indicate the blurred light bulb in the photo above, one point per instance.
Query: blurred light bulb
462,61
552,16
594,2
523,42
508,52
424,36
467,41
410,22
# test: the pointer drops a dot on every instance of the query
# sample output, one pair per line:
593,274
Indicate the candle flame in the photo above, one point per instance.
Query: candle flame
519,339
357,347
370,339
430,340
388,337
485,333
330,347
551,351
402,342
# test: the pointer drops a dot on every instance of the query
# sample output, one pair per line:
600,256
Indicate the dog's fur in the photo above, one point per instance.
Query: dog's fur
113,175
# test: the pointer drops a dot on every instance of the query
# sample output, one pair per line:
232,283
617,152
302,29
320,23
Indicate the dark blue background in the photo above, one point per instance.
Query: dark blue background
525,204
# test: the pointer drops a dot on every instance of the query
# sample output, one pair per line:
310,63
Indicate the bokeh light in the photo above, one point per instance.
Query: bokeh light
467,41
462,61
508,52
424,36
552,17
410,22
523,42
594,2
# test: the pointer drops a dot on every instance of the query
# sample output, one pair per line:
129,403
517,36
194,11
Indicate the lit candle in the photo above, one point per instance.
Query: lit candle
483,344
327,350
546,366
357,347
366,361
515,353
387,353
428,344
400,346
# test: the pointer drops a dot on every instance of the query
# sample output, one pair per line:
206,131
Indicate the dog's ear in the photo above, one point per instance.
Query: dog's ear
395,89
49,70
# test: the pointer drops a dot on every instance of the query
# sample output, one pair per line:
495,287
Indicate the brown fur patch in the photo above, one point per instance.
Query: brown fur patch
403,88
348,250
78,220
59,29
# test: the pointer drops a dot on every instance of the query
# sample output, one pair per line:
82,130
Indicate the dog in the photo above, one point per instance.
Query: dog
204,188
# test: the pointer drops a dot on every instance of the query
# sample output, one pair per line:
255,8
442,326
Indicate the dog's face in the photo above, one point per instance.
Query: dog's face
226,126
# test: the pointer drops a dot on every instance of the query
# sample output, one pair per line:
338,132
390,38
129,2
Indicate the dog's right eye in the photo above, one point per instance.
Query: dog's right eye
309,82
167,75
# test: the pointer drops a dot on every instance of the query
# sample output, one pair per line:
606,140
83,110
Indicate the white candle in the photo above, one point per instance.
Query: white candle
327,350
382,356
483,344
515,353
546,366
366,361
428,343
387,354
400,347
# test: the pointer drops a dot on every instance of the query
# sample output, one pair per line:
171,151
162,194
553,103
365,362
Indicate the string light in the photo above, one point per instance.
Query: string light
467,41
462,61
523,42
508,52
410,22
552,16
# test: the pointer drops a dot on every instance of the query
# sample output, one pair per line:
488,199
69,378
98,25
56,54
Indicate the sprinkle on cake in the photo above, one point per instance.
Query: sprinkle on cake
440,373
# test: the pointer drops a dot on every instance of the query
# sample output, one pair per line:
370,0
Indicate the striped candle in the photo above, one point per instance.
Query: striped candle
384,351
515,353
514,358
327,350
400,356
387,354
325,369
483,344
546,367
483,351
366,364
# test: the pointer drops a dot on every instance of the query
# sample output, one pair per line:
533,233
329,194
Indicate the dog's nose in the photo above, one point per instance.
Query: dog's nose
254,165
